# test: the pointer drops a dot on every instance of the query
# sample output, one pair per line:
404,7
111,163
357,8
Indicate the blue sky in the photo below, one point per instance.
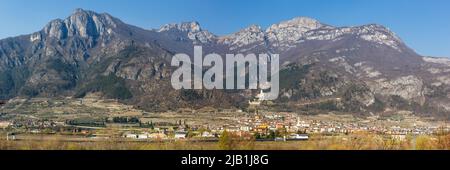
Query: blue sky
423,24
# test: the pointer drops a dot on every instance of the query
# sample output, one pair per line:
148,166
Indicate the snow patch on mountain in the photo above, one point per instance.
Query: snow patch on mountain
379,34
250,35
373,33
288,32
436,60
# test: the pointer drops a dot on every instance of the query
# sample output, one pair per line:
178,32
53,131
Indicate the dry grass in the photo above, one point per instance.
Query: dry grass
349,142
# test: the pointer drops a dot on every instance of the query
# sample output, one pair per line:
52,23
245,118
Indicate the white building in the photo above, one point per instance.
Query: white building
299,136
207,134
245,128
132,136
4,124
142,136
180,135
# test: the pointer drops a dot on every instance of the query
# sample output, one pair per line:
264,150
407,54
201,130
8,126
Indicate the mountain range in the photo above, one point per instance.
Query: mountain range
361,70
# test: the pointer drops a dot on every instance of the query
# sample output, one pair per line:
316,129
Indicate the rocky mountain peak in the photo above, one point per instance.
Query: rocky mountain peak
372,28
192,30
81,11
83,23
379,34
298,24
192,26
56,29
246,36
290,31
253,28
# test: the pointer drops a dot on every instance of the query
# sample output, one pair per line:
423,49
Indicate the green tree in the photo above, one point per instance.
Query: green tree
226,141
272,135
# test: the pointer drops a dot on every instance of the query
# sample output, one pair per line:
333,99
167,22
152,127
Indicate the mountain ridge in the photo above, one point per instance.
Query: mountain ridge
367,66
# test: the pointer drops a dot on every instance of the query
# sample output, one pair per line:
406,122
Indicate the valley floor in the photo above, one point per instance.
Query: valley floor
97,124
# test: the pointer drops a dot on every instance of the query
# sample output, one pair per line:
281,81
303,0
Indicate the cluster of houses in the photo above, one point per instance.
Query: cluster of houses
177,135
145,135
289,125
34,123
297,128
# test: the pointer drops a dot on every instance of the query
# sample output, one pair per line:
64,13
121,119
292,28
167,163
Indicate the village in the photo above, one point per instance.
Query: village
96,119
262,126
